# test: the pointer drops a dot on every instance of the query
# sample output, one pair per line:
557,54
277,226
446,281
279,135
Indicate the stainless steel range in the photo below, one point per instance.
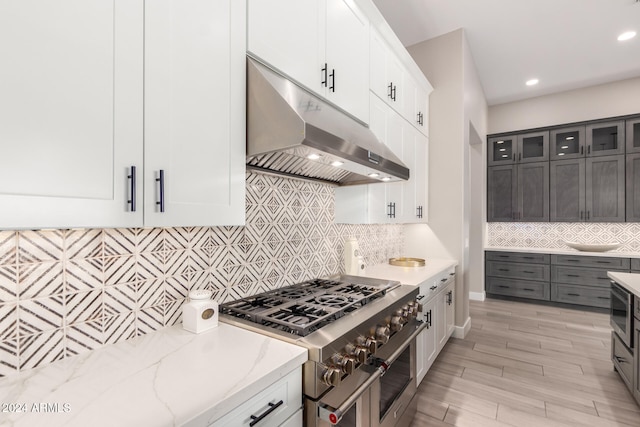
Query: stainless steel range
360,333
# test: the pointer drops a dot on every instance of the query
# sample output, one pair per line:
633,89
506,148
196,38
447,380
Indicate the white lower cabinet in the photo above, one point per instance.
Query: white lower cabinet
426,342
279,404
94,90
439,314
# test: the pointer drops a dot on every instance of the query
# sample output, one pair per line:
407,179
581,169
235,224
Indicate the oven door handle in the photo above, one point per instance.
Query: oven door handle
334,415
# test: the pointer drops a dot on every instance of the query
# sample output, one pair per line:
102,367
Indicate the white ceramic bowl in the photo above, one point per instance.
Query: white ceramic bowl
593,247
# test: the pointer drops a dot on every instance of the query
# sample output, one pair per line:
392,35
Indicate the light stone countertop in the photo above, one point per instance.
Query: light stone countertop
629,281
161,379
410,275
567,251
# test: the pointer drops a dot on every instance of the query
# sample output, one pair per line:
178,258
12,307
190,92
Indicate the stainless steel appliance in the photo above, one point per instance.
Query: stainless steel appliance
293,132
622,313
360,333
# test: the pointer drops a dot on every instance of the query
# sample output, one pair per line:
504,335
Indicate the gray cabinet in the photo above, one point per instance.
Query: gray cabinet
502,150
605,191
622,359
567,190
518,192
632,135
524,148
502,190
605,138
591,189
567,143
574,280
632,170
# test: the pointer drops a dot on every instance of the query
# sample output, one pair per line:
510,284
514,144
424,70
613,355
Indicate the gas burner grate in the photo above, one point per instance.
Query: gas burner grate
304,307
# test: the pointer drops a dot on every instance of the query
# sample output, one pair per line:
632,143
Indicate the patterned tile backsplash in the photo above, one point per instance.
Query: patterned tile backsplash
64,292
551,235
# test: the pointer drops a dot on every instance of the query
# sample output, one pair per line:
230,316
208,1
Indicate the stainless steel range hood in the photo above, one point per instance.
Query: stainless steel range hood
293,132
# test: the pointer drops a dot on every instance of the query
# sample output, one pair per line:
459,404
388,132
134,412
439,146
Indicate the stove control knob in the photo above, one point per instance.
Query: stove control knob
371,345
414,308
397,322
331,376
383,333
361,354
344,362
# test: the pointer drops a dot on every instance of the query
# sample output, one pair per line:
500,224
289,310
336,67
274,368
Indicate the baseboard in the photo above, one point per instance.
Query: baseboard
477,296
462,331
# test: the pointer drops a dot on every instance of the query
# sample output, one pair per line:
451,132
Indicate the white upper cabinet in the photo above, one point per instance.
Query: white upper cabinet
416,105
194,112
321,44
93,90
70,112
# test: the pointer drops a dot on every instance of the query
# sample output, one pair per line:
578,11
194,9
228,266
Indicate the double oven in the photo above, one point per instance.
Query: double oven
361,337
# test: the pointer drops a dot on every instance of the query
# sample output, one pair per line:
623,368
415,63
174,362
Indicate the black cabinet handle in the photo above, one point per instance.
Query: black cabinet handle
333,80
528,272
519,156
429,320
160,180
603,262
504,256
272,407
433,287
588,215
394,92
573,275
603,278
132,189
390,87
528,289
528,257
573,260
392,210
581,215
582,150
620,359
503,269
443,280
604,298
588,149
573,295
324,75
504,286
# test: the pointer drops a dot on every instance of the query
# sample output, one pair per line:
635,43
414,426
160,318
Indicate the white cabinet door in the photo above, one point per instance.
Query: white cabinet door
420,173
421,110
289,35
386,73
194,112
347,57
70,128
430,336
321,44
450,301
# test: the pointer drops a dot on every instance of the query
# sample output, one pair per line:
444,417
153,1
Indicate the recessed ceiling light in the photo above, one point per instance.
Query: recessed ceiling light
313,156
626,36
337,163
386,178
532,82
374,175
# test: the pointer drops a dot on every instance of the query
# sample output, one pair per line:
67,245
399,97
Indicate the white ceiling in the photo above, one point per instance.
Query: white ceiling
566,44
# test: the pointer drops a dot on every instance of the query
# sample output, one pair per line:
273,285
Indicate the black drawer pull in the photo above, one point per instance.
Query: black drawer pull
603,278
620,359
604,298
529,272
603,262
573,275
573,295
573,260
433,287
504,286
504,256
503,269
529,290
528,257
443,280
272,407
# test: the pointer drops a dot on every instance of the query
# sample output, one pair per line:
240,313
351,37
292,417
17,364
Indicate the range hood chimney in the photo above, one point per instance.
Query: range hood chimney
293,132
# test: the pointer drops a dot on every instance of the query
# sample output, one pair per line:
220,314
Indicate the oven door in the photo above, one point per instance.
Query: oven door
392,394
621,313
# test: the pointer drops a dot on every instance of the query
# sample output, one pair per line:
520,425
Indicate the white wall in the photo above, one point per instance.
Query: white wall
594,102
457,105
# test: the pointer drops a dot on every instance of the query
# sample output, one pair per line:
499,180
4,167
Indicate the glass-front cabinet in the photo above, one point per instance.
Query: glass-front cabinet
605,139
633,136
567,143
525,148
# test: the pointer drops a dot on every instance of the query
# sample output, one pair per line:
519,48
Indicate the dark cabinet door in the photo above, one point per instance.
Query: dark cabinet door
533,192
567,143
605,198
501,193
567,190
533,147
633,187
502,150
633,135
605,139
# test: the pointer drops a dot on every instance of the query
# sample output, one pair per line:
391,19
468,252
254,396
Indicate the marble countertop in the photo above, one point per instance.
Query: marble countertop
564,252
410,275
162,379
629,281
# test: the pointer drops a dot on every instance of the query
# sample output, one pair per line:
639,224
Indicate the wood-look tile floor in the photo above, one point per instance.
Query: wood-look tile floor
527,365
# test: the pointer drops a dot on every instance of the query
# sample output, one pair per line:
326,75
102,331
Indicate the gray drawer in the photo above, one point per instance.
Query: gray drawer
514,270
519,257
591,261
635,264
581,276
622,360
581,295
518,288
